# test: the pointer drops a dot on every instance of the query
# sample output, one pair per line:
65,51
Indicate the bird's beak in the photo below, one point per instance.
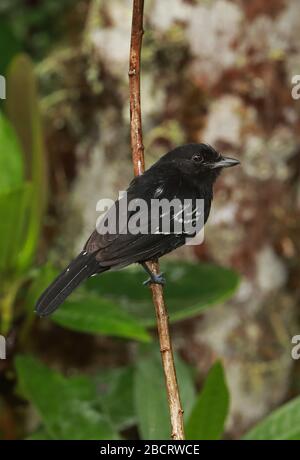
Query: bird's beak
225,162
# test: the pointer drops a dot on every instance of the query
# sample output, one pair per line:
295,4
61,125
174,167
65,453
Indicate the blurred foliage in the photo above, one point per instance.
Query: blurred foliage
11,164
282,424
22,197
152,411
115,389
100,316
61,401
30,26
186,296
23,111
105,405
125,397
211,408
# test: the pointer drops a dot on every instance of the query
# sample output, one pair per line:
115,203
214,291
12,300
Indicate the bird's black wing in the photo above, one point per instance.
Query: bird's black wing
117,250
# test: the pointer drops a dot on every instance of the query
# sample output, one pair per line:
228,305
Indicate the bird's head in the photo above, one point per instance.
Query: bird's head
199,160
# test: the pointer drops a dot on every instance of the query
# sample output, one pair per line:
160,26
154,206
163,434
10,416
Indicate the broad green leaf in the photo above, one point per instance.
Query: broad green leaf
185,376
190,289
91,314
115,387
151,400
86,312
150,394
282,424
13,221
23,112
211,408
13,210
69,408
11,162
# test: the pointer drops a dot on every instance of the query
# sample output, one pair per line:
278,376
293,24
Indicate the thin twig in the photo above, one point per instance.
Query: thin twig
176,412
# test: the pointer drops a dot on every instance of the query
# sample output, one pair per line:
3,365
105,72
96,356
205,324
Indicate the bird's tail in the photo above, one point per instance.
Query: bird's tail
79,269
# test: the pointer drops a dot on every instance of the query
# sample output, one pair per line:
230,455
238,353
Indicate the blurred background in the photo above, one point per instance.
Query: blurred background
215,71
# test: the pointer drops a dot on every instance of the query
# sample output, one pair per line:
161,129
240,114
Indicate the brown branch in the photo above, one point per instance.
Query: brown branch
176,412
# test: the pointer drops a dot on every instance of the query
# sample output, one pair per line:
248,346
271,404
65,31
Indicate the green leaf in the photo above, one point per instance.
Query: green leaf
150,400
115,388
11,162
150,394
13,209
185,376
211,408
69,408
282,424
94,315
23,111
84,312
190,289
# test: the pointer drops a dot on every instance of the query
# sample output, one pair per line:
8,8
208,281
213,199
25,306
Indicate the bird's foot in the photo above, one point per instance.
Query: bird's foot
155,279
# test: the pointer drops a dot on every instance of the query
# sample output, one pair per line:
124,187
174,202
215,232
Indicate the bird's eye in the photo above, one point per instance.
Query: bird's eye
197,158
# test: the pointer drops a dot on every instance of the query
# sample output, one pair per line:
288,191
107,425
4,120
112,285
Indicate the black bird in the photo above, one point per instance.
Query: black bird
187,172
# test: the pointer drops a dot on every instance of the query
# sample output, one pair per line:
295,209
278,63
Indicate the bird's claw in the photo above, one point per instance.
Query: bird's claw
155,279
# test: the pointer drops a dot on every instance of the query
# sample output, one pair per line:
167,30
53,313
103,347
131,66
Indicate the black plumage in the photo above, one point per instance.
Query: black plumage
187,172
